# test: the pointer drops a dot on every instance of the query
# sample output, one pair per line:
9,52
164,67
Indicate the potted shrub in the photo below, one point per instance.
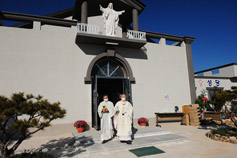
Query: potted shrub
80,125
143,121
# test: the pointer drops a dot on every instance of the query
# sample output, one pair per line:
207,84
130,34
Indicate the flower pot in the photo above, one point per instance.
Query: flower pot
80,129
143,124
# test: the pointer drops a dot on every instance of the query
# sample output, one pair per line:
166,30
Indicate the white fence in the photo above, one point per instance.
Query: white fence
136,35
94,29
87,28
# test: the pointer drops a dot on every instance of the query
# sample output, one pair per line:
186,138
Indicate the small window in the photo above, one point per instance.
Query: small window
200,74
216,71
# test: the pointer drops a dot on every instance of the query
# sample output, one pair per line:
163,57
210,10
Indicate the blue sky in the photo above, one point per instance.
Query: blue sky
212,22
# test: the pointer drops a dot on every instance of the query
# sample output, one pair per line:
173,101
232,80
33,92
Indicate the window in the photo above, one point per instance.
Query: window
216,71
108,68
200,74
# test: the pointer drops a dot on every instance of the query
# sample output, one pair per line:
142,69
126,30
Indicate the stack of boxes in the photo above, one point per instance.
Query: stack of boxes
191,115
194,115
185,118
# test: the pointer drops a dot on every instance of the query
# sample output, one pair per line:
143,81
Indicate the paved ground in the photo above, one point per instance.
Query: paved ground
174,139
142,137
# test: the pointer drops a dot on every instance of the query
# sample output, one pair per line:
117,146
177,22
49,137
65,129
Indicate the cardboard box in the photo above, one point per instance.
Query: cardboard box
185,120
185,109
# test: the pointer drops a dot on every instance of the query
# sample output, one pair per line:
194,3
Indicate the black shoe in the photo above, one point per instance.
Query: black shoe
129,142
104,141
122,141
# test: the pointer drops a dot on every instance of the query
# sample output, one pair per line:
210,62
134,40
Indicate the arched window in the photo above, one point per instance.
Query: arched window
108,68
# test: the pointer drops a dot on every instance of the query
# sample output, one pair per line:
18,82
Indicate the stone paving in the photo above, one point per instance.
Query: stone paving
186,142
143,137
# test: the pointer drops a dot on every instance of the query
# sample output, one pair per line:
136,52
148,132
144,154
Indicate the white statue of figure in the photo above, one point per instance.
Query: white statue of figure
110,18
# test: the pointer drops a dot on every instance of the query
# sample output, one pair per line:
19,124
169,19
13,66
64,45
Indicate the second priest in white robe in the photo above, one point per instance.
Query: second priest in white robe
123,119
107,130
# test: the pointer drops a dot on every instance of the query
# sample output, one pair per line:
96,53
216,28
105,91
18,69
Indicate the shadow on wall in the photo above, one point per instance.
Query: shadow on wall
133,53
67,147
92,49
125,52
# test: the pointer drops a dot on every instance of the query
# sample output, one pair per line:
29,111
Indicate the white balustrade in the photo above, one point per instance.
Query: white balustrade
88,28
131,34
94,29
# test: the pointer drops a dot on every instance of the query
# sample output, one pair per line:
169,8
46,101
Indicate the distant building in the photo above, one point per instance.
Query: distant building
216,79
66,56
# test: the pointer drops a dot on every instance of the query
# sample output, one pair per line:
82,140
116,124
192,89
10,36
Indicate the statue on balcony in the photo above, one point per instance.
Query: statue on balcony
110,18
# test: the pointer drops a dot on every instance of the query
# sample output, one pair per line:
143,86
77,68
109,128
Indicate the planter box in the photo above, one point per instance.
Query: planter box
214,115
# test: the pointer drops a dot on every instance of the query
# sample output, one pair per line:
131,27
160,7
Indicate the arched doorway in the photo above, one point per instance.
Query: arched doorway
108,76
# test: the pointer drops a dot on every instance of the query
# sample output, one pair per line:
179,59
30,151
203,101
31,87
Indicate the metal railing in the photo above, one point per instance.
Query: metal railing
136,35
88,28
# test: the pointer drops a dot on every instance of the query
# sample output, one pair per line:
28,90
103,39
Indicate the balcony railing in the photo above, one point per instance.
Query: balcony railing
136,35
94,29
87,28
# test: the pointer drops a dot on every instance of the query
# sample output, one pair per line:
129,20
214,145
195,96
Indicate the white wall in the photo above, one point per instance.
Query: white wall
51,64
46,63
235,70
202,84
163,73
228,71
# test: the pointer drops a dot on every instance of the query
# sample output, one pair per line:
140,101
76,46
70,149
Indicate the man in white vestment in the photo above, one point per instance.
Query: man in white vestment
110,18
106,111
123,120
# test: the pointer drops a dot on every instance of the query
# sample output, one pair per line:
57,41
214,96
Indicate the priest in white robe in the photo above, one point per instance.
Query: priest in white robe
123,120
106,111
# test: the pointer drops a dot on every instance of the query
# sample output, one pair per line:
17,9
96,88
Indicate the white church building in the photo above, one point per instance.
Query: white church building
68,56
216,79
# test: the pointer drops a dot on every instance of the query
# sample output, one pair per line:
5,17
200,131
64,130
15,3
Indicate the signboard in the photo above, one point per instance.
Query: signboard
167,98
215,83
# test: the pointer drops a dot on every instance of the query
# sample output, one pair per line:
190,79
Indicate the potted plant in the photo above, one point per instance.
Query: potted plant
143,121
80,125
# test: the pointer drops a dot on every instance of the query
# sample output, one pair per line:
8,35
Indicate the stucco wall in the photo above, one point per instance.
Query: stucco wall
46,63
164,72
204,83
223,72
235,69
51,64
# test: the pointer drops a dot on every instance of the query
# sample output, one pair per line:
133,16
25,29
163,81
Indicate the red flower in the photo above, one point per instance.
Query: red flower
80,123
142,120
204,99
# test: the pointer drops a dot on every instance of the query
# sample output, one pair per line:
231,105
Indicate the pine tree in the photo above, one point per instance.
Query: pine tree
227,97
23,115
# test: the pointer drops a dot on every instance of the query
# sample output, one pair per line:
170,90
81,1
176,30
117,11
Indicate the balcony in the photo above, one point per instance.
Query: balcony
91,34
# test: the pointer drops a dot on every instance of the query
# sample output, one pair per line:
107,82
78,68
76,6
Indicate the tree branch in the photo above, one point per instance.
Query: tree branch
26,136
3,129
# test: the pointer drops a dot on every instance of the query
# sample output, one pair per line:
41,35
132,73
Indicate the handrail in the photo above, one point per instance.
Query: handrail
88,28
131,34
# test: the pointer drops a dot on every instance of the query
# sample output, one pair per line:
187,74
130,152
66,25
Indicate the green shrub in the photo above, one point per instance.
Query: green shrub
225,132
